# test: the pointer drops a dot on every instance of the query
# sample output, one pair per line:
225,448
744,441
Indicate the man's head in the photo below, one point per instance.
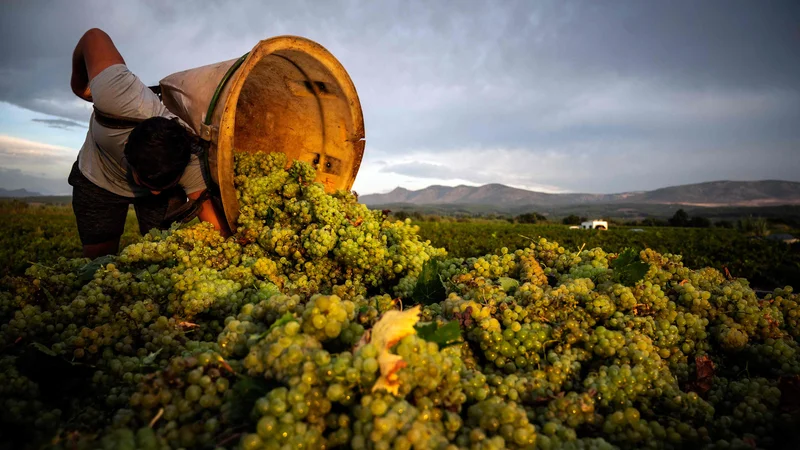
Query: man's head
158,151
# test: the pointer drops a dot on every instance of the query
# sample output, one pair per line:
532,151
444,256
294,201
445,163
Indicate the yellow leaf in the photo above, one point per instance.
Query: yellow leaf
388,331
393,326
390,364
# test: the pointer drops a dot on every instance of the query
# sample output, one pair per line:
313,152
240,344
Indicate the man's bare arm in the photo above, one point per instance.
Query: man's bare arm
208,213
93,54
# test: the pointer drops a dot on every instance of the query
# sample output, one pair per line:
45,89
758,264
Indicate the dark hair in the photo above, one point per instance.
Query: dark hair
159,149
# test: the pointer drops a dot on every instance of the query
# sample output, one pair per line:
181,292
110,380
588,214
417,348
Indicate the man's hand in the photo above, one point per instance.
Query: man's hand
208,213
93,54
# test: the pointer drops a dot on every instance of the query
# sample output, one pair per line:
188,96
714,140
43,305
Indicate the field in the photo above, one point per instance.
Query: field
621,212
41,233
321,325
767,264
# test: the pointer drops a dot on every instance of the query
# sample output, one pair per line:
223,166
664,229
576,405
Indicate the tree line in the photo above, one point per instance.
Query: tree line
757,226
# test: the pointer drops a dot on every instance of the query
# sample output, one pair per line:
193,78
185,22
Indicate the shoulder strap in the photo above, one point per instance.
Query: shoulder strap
185,212
114,122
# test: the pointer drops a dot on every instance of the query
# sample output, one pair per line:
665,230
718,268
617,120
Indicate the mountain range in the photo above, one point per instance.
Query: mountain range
709,194
17,193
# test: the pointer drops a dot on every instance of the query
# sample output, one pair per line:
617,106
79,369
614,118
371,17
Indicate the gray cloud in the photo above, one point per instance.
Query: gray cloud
62,124
23,151
34,166
582,96
17,179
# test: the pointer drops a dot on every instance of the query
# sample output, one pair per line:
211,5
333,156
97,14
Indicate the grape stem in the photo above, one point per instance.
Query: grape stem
157,416
16,341
232,437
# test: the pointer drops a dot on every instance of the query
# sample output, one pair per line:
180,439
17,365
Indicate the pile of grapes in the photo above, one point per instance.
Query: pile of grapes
322,324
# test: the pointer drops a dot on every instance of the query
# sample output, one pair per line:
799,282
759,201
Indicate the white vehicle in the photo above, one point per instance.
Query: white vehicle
594,225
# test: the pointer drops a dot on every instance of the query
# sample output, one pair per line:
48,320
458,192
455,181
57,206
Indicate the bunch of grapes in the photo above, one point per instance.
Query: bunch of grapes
502,422
328,316
183,402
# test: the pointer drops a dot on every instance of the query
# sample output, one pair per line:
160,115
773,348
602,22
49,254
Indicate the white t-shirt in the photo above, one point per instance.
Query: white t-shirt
119,92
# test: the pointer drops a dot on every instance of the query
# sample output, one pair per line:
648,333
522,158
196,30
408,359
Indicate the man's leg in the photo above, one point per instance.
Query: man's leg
102,249
100,215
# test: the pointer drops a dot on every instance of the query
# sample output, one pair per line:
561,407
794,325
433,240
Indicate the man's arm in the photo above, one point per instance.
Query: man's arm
208,213
93,54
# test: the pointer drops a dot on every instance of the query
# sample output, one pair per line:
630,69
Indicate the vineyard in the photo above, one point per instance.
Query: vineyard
42,234
322,324
765,263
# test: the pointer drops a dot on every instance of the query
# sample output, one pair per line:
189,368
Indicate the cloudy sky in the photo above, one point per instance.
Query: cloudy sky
576,96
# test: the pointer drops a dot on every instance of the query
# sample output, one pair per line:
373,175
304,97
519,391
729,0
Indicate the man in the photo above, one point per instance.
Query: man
149,164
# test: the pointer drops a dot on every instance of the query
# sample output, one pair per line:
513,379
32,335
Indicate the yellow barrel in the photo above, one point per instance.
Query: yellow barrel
289,95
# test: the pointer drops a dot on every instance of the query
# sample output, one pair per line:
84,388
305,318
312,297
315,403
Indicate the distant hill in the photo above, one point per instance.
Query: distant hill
726,193
17,193
489,194
710,194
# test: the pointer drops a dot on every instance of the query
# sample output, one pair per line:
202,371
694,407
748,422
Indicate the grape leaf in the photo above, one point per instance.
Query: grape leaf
32,263
246,390
286,318
269,219
444,336
508,284
86,273
429,288
703,377
49,296
43,348
151,358
629,267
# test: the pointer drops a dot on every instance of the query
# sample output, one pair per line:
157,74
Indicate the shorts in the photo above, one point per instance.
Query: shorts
101,214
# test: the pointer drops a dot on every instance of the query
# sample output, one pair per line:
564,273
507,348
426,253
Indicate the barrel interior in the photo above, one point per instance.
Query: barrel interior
290,103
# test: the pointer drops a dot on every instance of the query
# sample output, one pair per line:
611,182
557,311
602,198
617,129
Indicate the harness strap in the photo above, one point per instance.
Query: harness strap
185,212
115,122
